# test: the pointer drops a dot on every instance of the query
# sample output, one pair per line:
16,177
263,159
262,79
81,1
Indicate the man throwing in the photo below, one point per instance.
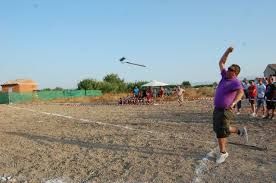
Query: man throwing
228,93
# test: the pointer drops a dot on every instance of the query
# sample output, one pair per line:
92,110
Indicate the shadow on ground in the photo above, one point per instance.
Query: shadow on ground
42,140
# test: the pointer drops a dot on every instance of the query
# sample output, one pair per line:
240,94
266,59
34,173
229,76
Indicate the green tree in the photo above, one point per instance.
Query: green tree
186,84
88,84
106,87
113,78
111,83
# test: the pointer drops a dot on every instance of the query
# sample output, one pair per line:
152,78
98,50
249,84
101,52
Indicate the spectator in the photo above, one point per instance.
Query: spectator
180,92
261,88
120,102
149,94
136,95
155,92
245,86
265,81
136,92
252,94
161,94
141,97
270,97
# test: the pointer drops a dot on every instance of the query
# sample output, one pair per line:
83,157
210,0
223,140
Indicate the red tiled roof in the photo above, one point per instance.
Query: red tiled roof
20,81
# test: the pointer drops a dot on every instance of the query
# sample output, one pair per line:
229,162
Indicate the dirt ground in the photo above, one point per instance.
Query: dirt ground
55,143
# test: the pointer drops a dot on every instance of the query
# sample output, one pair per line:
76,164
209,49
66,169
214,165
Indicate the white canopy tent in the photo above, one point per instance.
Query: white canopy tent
154,83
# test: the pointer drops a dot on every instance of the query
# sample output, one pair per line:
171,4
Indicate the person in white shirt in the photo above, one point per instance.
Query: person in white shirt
261,88
180,92
245,85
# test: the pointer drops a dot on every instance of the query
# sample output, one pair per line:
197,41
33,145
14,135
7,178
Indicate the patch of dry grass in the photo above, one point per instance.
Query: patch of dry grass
199,92
113,98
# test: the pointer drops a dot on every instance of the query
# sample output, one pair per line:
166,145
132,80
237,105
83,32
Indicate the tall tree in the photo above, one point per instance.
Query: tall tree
113,78
186,84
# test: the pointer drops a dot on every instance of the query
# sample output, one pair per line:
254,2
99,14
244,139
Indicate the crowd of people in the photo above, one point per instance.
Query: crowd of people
142,96
261,95
150,94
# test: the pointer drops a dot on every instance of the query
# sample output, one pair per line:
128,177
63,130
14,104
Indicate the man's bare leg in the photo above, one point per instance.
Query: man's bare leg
222,144
272,114
223,141
267,114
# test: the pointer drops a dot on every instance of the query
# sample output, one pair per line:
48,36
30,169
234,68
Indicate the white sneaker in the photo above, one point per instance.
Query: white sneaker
238,113
243,133
222,157
254,114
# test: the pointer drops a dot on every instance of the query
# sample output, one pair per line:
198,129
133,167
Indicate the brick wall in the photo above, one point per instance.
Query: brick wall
20,88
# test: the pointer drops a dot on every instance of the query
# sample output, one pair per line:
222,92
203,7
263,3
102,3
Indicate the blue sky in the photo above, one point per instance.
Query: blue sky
60,42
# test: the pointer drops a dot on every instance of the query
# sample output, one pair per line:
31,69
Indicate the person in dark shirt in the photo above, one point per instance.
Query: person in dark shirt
270,98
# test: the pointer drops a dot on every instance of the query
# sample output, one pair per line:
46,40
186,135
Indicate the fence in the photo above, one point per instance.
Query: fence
13,97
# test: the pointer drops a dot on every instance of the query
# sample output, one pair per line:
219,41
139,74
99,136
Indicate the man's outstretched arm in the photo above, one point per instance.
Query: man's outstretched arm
224,58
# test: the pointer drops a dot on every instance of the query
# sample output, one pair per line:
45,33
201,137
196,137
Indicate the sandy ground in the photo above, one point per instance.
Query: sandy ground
108,143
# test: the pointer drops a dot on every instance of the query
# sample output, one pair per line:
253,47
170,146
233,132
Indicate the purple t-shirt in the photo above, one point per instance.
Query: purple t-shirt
226,91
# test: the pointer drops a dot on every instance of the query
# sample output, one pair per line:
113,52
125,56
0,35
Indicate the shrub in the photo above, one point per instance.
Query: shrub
186,84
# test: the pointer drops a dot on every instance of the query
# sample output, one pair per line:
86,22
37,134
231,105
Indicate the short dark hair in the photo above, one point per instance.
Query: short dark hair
237,68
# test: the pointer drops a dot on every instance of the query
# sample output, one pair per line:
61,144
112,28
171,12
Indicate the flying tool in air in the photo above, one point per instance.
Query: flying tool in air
123,61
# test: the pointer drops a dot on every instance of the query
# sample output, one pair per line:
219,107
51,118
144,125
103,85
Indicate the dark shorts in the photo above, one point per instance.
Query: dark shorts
252,100
260,102
221,122
270,104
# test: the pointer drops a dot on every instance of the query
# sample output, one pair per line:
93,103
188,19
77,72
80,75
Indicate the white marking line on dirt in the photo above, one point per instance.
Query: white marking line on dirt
108,124
70,117
84,120
60,115
59,180
202,167
46,113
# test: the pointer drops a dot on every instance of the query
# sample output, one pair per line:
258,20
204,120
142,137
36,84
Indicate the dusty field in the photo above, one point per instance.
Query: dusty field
101,143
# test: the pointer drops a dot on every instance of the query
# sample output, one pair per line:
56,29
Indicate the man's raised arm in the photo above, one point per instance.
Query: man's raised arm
224,58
